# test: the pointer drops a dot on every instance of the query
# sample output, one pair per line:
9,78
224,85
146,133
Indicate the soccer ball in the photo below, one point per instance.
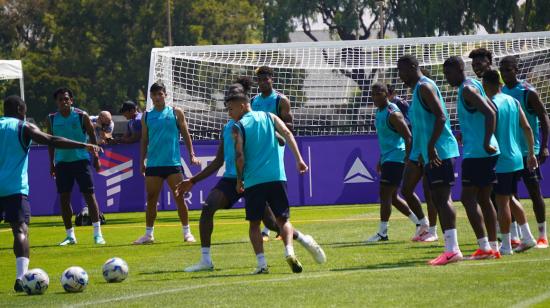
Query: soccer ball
74,279
35,281
115,270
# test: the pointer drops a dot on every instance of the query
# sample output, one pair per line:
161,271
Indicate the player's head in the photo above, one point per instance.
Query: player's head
453,69
15,107
128,109
157,91
104,118
264,75
408,69
509,69
243,84
379,93
63,98
491,82
482,59
237,101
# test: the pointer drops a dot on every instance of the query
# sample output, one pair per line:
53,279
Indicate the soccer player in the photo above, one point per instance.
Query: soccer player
15,136
394,139
261,173
224,195
482,61
130,111
160,145
534,110
68,166
270,100
437,146
480,153
510,119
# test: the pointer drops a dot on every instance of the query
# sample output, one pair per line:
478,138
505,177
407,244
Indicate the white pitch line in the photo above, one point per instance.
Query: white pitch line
532,301
297,277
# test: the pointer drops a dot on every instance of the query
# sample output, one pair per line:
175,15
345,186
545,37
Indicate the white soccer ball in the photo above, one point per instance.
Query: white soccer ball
74,279
115,270
35,281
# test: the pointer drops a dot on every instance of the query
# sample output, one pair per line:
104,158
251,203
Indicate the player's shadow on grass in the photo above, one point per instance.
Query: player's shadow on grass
360,243
381,266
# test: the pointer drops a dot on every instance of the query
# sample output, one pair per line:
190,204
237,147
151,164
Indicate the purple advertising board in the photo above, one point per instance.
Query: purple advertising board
342,171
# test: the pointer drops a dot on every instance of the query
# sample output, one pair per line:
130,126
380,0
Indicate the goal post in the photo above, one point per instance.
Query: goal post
328,83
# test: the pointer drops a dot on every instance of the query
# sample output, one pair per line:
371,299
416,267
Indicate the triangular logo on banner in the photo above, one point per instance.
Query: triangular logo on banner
358,173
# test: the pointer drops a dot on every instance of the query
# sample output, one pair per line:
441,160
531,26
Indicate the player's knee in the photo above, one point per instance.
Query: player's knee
19,230
208,211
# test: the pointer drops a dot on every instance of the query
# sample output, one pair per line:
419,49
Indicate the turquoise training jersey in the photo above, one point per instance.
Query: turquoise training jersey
520,92
70,127
268,103
510,158
229,151
392,145
472,124
422,121
263,162
163,149
14,158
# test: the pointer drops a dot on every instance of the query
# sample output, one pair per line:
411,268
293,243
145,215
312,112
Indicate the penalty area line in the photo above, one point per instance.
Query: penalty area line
301,277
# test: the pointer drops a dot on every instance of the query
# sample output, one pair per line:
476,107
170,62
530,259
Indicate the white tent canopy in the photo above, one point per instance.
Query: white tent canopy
12,69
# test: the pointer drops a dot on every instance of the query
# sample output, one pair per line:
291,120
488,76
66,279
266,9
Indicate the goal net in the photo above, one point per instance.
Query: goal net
328,83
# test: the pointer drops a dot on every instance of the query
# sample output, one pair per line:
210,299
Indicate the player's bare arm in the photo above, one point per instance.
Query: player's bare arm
528,134
289,137
31,132
239,157
184,131
89,127
397,120
534,102
475,100
429,97
143,145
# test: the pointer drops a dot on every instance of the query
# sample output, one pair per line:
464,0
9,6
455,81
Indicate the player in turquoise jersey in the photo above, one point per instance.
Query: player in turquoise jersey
261,175
536,113
15,136
160,145
394,139
480,153
438,148
510,117
224,195
68,166
270,100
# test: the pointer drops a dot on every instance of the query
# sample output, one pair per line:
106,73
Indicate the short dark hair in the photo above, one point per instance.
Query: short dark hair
157,86
11,104
454,61
379,86
62,90
509,60
481,52
408,59
491,77
391,88
264,70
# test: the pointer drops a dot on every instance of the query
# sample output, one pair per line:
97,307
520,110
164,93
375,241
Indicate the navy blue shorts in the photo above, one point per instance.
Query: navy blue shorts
528,176
479,172
392,173
442,175
66,173
258,196
228,187
163,172
15,209
507,183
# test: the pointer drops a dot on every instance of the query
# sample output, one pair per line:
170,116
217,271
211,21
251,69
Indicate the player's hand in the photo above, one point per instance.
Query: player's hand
489,149
97,164
52,170
142,168
195,160
183,187
543,155
532,162
239,187
435,161
94,149
378,168
458,136
302,167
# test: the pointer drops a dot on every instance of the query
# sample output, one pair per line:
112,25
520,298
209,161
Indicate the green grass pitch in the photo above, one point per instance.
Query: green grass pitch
390,274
